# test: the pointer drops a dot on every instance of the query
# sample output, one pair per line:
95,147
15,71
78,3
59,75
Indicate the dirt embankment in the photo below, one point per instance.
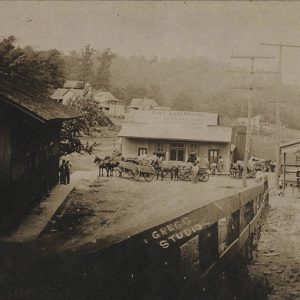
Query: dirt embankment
278,252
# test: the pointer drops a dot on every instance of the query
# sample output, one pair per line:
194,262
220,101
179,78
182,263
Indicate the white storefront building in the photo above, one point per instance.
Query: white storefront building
175,135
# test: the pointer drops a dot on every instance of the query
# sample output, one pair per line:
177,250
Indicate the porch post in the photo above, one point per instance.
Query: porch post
167,151
284,162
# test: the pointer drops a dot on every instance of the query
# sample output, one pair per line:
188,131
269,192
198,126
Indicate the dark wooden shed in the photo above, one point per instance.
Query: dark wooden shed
30,125
238,138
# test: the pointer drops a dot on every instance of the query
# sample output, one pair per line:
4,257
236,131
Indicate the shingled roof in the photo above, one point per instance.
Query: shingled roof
102,97
74,84
175,125
59,93
33,102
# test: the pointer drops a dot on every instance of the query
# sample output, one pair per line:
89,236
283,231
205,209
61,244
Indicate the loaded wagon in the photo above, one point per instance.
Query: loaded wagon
135,169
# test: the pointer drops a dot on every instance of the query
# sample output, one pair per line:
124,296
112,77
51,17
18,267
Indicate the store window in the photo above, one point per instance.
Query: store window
177,151
142,151
160,148
193,149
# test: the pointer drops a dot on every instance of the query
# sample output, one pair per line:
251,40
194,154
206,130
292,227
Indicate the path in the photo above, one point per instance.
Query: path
35,222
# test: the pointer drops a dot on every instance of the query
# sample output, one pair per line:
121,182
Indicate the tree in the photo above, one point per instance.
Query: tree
86,61
72,65
103,75
183,102
41,69
134,91
155,93
92,116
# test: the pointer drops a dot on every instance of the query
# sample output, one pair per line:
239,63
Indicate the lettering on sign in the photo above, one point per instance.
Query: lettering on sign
180,118
173,232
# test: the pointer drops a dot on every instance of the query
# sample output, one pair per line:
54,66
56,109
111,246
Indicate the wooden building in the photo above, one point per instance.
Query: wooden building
110,105
176,135
290,162
30,125
72,91
238,139
142,104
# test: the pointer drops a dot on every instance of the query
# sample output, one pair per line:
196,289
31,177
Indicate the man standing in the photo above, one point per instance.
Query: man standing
195,170
220,164
62,172
67,166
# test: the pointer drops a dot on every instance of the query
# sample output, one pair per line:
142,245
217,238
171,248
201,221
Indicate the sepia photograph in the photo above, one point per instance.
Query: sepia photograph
149,150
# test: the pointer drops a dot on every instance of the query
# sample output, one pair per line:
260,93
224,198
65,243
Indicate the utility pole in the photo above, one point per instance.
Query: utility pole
250,88
278,122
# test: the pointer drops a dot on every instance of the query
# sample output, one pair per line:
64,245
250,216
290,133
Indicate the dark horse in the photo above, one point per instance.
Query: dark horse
108,163
163,169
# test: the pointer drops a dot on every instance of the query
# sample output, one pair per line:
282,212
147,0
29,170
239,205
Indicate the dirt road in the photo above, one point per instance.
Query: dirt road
113,208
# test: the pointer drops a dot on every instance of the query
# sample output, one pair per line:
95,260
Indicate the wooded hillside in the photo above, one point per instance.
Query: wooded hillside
190,84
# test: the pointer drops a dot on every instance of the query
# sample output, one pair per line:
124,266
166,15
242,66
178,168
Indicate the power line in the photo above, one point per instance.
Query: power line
250,88
278,122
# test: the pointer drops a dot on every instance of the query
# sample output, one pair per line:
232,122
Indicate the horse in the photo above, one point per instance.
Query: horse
104,164
109,163
163,168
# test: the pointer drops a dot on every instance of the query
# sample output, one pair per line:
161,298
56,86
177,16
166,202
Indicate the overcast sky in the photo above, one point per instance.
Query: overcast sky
165,29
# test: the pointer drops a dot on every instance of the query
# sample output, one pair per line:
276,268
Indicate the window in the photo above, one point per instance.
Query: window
177,151
160,148
142,151
193,148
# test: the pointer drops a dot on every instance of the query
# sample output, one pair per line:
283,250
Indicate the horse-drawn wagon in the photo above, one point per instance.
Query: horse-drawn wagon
186,173
135,168
236,170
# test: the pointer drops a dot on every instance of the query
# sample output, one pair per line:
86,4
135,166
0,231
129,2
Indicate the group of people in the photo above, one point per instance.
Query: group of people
213,166
64,172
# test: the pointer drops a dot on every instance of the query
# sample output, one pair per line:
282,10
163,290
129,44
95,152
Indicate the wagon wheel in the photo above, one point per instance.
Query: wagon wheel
121,171
251,173
186,175
131,174
182,174
204,177
148,176
137,175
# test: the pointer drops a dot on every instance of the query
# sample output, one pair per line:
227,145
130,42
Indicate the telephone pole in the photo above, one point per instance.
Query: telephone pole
278,122
250,88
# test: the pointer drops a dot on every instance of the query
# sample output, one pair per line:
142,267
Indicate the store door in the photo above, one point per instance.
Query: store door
213,156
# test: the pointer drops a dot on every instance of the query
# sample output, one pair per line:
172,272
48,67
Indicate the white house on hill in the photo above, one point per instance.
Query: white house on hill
109,103
142,104
175,135
72,91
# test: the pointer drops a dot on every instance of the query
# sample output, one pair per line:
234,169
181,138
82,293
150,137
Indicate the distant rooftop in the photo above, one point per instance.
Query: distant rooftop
143,103
102,97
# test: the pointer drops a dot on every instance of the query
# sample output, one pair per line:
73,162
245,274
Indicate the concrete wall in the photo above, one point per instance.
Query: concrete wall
130,147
